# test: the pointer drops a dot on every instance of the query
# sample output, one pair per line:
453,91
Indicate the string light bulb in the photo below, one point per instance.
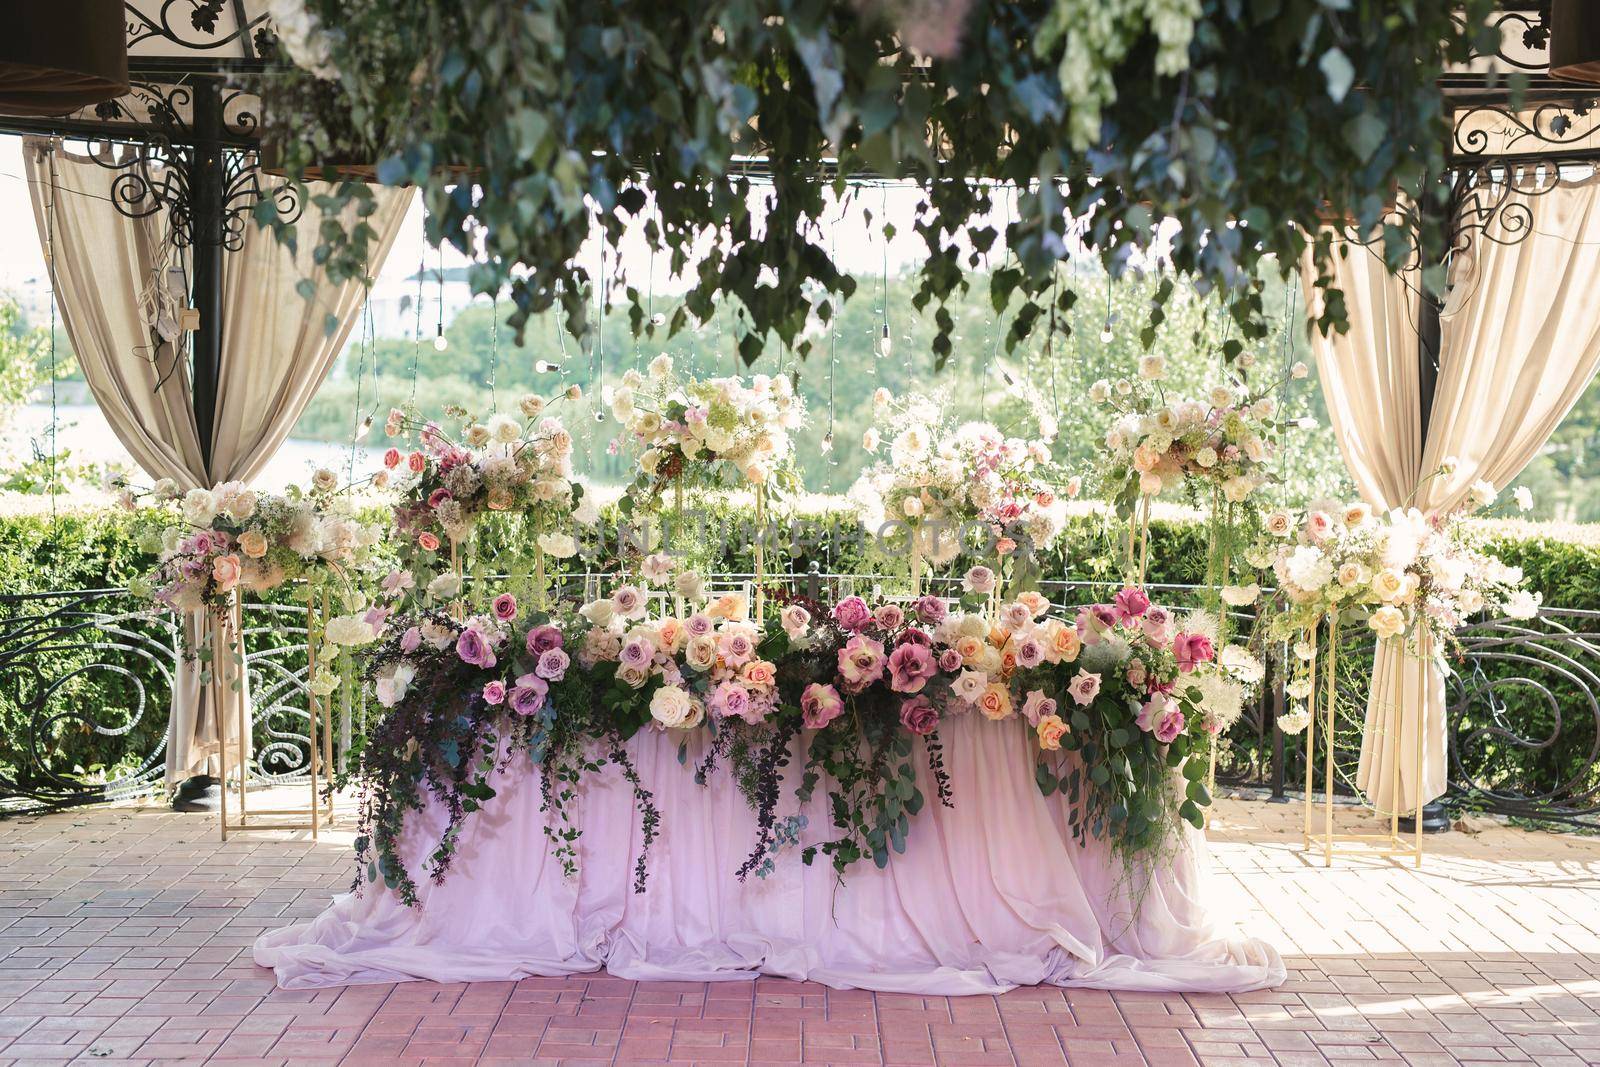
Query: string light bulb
544,366
440,342
827,442
366,428
1105,332
658,320
885,343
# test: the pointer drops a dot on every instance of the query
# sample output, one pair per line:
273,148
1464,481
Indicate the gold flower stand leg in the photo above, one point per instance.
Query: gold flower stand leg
319,737
1384,845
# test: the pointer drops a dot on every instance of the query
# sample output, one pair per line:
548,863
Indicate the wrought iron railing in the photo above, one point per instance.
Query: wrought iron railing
86,677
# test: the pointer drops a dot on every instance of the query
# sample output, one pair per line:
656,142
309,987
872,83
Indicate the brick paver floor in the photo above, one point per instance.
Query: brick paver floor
125,934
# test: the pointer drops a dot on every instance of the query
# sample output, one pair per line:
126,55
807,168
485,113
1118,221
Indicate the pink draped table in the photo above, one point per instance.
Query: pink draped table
990,894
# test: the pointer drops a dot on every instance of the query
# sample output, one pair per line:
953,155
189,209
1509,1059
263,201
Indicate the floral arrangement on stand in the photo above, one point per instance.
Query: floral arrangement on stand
1411,577
1218,450
730,432
951,484
212,543
511,464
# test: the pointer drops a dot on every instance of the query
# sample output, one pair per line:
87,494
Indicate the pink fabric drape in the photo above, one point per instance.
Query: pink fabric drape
991,893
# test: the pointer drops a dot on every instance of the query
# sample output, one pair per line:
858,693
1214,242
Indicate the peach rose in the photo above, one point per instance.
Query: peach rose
226,571
1064,643
253,544
728,606
968,647
760,674
1034,602
1051,730
995,701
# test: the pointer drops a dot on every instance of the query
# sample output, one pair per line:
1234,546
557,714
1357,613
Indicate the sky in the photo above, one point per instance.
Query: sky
860,249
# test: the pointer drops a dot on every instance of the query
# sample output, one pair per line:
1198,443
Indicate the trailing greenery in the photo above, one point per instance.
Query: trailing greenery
1238,121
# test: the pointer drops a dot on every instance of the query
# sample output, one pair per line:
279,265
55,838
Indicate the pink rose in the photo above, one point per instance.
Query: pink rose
1030,652
417,462
494,693
505,607
852,614
391,458
1157,626
226,571
979,580
730,700
552,665
1170,725
860,663
919,716
1153,710
950,661
1192,650
438,496
910,667
1137,674
1084,687
428,541
889,617
819,705
1037,706
736,649
1130,604
411,640
931,610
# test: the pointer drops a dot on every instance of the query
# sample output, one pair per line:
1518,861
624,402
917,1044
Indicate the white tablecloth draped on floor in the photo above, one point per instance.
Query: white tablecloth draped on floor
990,894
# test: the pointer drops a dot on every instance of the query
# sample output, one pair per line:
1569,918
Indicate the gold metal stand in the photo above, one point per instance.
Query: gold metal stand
761,555
1384,845
319,735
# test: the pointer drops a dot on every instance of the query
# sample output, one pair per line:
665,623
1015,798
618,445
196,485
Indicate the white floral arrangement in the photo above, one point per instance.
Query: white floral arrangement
708,431
1162,441
940,476
1407,573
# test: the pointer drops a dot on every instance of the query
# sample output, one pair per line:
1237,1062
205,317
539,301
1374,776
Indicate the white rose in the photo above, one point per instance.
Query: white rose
444,587
672,707
1387,622
661,366
504,429
199,507
1152,368
1100,391
598,612
558,545
530,406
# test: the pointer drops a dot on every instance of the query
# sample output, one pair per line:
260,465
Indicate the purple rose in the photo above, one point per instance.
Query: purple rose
411,640
931,609
1170,725
528,695
494,693
542,639
919,716
552,665
474,648
910,667
950,661
819,705
505,607
852,614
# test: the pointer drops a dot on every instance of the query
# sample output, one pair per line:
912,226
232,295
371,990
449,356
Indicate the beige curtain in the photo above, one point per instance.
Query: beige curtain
108,272
1517,349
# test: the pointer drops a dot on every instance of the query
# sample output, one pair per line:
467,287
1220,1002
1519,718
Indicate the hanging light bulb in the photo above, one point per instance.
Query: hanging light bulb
658,320
366,428
1105,332
544,366
599,416
885,343
440,342
827,442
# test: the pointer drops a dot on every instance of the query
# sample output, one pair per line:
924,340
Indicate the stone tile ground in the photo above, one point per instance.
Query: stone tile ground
125,934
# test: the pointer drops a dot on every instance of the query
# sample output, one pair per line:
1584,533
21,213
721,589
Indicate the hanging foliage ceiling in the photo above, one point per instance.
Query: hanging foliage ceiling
1234,119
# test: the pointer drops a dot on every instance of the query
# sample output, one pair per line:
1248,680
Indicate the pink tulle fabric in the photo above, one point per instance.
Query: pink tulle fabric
990,894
